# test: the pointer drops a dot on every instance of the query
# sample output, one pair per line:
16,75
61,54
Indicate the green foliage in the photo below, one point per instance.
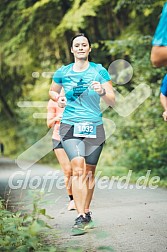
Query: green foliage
139,144
74,19
22,231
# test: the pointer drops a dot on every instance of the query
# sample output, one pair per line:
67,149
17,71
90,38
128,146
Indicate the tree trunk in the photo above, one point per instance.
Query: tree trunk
9,113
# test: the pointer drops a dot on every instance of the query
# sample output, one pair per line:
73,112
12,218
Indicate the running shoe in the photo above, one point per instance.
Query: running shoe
89,221
79,226
71,205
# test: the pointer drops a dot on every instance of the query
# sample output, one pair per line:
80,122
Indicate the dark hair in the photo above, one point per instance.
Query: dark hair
80,35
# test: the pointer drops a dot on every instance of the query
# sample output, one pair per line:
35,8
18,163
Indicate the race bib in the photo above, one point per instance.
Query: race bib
85,129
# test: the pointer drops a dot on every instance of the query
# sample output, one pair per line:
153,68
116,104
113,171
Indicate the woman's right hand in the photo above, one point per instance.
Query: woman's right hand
62,101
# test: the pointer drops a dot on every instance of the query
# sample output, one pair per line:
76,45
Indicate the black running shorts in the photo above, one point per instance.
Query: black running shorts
89,148
56,144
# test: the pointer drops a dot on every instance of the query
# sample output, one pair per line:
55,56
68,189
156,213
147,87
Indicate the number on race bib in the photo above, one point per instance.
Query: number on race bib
85,130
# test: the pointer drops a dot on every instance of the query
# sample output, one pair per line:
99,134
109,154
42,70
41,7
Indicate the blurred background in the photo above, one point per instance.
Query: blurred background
35,40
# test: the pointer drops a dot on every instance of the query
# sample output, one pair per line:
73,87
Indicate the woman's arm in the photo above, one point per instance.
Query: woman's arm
54,91
159,56
106,92
52,119
52,116
109,97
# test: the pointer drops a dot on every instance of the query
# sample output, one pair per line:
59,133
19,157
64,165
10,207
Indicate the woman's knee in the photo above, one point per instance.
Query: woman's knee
78,172
78,166
67,170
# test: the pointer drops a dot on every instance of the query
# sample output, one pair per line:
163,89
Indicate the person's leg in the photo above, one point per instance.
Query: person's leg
90,180
75,149
92,157
66,167
93,154
83,183
79,185
67,170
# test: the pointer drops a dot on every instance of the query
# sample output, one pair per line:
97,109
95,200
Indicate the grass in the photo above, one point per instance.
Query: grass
119,172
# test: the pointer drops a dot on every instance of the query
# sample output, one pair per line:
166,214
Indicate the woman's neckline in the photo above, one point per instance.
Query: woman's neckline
81,70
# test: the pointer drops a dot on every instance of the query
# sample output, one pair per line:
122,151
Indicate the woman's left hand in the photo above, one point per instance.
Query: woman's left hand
97,87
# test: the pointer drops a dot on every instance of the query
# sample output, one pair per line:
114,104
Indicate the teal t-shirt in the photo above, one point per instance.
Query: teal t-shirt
83,103
160,36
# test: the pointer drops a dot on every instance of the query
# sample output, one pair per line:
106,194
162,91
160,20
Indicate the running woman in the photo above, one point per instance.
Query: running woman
81,128
54,116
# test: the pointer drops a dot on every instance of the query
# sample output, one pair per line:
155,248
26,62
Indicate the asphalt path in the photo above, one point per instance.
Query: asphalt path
127,219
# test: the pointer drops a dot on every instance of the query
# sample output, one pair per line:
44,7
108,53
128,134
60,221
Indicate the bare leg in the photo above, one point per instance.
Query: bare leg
90,180
79,185
66,167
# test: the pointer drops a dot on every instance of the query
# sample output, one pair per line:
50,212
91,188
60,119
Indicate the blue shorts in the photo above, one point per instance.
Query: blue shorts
163,87
89,148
